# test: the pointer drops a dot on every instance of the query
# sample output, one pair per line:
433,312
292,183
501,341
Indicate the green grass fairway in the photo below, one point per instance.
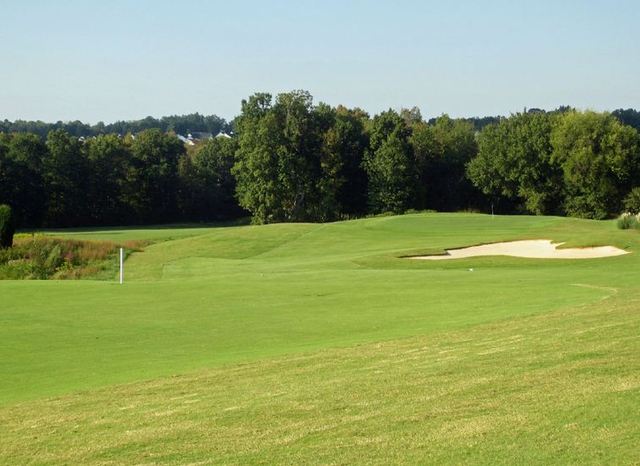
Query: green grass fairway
306,343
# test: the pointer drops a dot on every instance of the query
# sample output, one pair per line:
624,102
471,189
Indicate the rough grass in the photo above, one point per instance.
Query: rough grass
40,257
627,221
317,344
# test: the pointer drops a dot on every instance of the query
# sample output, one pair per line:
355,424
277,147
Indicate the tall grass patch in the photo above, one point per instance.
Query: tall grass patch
39,257
628,221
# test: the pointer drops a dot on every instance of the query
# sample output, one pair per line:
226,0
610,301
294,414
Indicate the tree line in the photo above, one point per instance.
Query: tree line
180,124
148,178
293,160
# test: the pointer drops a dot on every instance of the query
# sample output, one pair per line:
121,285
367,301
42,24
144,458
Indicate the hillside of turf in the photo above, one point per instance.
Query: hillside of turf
222,296
561,387
301,343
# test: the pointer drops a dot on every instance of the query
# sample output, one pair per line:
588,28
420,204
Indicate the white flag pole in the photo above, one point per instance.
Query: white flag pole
121,265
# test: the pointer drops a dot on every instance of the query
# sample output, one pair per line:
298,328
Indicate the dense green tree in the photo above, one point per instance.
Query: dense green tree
629,117
600,159
411,116
257,168
291,160
152,177
442,151
632,201
66,176
39,128
181,124
478,123
344,180
21,158
390,165
107,158
208,187
4,147
7,226
297,162
299,155
278,159
514,163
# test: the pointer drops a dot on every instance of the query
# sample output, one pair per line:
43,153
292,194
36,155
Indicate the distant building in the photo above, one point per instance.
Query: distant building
193,137
187,141
199,135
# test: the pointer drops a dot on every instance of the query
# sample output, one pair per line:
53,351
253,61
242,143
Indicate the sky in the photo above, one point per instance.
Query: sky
112,60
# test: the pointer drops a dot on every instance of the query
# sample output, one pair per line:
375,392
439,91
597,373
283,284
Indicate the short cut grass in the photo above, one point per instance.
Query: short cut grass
320,344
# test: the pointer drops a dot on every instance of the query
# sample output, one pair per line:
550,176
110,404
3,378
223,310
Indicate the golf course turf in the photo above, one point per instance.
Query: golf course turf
322,343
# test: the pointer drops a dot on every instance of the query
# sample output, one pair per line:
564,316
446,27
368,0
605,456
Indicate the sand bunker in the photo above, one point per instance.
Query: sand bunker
534,249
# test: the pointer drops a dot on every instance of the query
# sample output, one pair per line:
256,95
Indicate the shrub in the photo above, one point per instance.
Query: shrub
7,226
627,221
40,257
632,201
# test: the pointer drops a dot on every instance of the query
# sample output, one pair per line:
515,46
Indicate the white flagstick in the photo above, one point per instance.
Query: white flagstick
121,265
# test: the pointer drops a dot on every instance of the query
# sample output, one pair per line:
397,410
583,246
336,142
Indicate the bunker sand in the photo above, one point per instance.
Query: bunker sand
532,249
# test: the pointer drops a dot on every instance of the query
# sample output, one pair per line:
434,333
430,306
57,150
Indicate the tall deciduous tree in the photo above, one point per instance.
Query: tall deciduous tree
66,176
257,166
344,181
208,187
390,165
600,159
152,179
21,159
629,117
7,226
108,158
442,151
278,159
514,163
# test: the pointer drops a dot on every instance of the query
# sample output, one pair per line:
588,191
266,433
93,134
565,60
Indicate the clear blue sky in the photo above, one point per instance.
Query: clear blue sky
106,60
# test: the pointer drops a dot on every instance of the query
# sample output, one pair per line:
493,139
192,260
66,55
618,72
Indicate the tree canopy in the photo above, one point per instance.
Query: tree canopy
290,159
600,160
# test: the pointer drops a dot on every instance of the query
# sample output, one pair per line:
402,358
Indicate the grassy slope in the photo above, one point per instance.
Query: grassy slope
134,233
250,293
558,388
